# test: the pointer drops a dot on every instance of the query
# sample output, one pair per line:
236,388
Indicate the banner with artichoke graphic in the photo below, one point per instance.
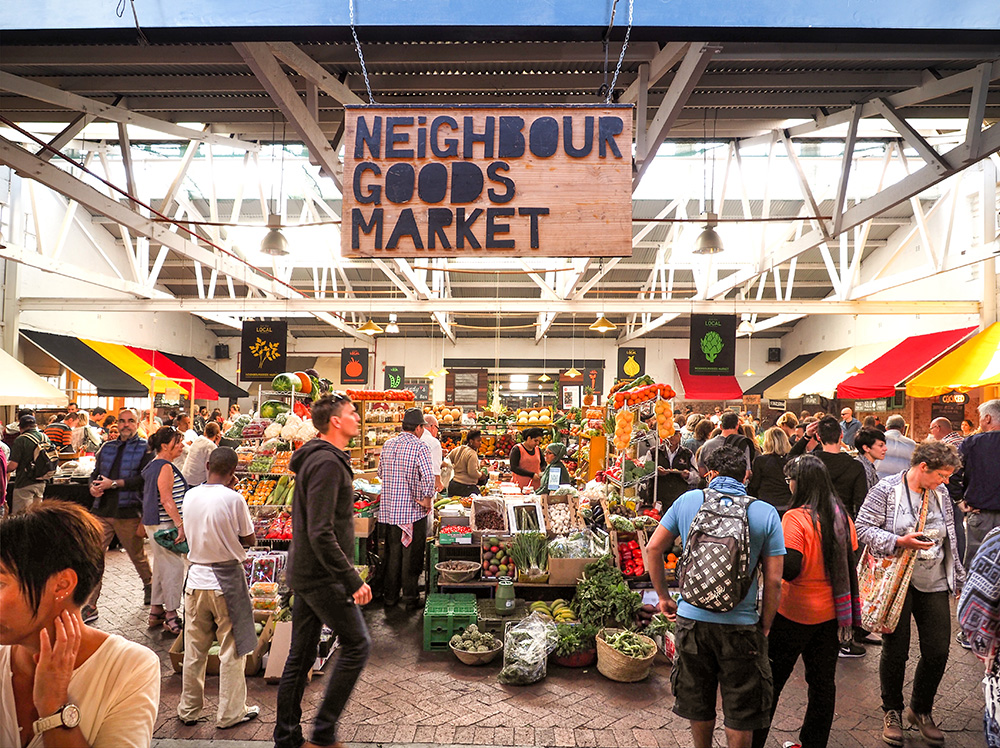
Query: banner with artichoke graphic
713,345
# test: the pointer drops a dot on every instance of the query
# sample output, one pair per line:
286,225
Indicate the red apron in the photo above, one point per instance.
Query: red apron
531,463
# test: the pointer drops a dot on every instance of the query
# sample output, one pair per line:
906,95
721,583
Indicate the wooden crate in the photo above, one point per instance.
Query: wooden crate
640,538
575,520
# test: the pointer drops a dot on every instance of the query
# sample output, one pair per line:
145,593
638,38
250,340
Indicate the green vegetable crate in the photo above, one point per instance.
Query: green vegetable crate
445,616
492,622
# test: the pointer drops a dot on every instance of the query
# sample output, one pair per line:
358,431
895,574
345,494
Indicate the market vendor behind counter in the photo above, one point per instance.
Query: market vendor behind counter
464,459
555,473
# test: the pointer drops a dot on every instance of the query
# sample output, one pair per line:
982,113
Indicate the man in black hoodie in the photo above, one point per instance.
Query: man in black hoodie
846,473
326,585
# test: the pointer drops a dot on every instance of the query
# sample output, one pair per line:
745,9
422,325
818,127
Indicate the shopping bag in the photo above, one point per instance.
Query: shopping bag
882,585
883,582
168,539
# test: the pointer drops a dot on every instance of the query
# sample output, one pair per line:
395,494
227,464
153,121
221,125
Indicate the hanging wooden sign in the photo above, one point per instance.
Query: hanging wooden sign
514,181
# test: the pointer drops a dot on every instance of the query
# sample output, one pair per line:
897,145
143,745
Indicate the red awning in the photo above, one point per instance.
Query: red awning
881,376
707,388
154,358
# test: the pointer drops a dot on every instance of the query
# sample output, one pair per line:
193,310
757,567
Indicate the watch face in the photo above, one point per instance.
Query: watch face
70,716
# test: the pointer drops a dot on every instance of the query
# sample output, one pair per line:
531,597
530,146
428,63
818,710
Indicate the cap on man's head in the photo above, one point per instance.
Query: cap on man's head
26,422
413,417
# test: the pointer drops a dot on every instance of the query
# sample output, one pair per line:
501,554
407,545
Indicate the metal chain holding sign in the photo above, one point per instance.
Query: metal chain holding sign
361,56
621,56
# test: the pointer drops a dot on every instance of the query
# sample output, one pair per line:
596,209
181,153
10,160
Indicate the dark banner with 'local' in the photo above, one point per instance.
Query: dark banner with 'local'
713,345
263,350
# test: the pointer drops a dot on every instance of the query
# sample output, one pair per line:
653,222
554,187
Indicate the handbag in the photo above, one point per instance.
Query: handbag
883,582
168,539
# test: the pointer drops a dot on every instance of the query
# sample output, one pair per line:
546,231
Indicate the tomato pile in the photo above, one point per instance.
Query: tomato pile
381,395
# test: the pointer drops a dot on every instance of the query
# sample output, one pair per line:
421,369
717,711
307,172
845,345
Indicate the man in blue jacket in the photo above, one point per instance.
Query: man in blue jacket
116,485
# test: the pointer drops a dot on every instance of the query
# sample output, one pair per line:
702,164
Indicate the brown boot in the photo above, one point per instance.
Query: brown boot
923,722
892,730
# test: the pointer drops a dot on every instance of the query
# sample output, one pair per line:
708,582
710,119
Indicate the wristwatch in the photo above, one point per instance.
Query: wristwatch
68,716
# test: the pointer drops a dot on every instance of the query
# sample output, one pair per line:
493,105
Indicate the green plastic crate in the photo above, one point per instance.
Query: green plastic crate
445,616
489,621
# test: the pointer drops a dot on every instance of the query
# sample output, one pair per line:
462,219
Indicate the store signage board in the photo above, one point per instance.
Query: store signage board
263,350
879,405
421,389
751,399
631,363
777,405
477,181
354,366
712,351
950,405
393,377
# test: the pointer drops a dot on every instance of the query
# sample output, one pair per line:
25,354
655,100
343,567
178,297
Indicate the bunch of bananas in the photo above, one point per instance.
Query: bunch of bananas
558,611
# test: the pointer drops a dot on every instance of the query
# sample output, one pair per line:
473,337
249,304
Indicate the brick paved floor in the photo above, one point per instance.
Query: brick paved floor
410,697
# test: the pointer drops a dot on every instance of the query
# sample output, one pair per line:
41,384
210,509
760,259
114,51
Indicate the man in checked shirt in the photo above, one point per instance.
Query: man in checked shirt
407,477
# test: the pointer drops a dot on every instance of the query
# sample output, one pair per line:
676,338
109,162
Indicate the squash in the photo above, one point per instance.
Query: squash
305,383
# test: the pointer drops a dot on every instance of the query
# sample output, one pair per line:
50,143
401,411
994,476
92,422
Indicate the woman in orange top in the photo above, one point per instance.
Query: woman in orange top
526,459
819,596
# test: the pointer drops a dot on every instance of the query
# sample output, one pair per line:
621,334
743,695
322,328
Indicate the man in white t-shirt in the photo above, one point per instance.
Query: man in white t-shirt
429,437
218,528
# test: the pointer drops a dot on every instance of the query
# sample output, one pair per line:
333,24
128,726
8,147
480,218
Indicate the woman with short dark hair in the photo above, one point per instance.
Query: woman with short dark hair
887,523
57,673
162,499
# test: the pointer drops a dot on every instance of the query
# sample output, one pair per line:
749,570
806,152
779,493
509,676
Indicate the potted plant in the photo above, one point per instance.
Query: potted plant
576,646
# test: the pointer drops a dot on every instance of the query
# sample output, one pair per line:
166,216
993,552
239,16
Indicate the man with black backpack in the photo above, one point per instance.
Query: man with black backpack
35,459
730,541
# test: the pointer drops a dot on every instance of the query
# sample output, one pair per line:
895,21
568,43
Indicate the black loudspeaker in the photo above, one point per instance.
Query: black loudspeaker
222,351
773,355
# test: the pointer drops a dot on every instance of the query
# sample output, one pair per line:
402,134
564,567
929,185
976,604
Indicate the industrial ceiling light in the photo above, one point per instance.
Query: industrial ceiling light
603,324
708,242
274,242
392,327
430,374
749,373
545,378
443,373
746,327
572,373
370,328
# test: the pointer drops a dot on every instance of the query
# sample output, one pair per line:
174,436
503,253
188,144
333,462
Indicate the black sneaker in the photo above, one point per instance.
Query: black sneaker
963,640
88,613
852,650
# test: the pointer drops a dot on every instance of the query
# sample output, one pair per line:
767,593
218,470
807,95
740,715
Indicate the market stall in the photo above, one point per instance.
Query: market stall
975,363
21,386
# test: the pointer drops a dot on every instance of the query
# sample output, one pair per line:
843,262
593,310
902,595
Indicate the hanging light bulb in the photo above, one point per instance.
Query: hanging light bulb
749,373
603,324
545,378
274,242
370,328
572,373
746,327
430,374
854,371
392,327
443,372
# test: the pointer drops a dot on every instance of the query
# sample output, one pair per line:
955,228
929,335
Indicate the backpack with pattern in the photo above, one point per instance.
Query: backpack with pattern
714,570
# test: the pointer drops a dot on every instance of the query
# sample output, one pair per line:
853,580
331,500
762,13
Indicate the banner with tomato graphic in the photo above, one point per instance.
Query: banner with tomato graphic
354,366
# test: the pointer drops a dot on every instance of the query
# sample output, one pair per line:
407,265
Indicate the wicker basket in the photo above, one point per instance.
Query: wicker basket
477,658
451,576
615,666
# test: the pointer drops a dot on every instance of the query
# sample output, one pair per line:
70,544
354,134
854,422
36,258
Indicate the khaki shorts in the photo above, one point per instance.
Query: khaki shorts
710,655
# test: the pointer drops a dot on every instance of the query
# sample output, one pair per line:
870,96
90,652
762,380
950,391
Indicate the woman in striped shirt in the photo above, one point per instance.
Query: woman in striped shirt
162,501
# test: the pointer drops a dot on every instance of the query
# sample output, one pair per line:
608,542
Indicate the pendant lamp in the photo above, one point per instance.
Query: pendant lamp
603,324
274,242
392,328
370,328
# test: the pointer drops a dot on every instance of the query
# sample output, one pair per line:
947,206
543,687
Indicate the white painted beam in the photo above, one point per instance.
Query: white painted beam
100,110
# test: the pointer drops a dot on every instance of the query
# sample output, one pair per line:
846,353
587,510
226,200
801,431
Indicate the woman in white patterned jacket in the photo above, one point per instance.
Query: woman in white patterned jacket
886,523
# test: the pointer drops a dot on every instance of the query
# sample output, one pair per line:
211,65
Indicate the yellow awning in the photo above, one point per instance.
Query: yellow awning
824,382
975,363
134,366
780,389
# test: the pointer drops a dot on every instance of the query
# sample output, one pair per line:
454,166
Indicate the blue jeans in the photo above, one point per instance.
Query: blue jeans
312,608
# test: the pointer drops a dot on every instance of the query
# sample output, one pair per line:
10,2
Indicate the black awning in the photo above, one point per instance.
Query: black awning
784,371
206,374
84,361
